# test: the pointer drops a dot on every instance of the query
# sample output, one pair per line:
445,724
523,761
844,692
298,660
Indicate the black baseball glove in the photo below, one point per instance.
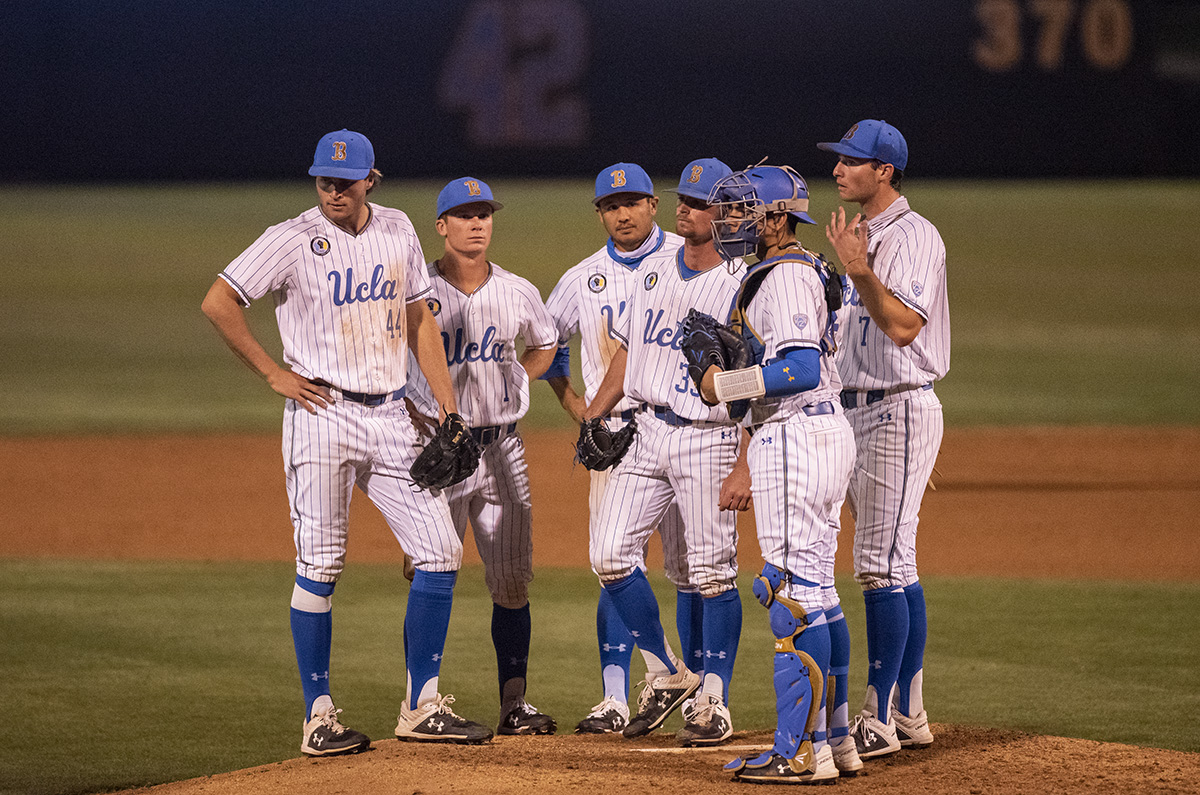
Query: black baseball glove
706,342
450,457
598,447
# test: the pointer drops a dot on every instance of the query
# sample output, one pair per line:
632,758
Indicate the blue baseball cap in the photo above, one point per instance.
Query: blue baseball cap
622,178
343,155
872,139
465,190
699,176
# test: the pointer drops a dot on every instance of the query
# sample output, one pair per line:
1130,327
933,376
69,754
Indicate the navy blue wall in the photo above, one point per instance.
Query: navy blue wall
219,89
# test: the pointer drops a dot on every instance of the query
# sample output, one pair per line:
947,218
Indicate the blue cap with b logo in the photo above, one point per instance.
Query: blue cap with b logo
343,155
872,139
622,178
699,176
466,190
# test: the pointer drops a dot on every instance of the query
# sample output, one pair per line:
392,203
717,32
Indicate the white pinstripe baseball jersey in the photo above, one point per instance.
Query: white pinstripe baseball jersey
907,254
789,311
589,300
478,333
658,301
339,298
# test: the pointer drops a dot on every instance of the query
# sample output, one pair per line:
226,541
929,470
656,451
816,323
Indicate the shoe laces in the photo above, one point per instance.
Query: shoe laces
706,708
330,720
604,707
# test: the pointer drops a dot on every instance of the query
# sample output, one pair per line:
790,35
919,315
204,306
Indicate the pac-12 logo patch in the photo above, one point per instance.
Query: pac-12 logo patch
320,246
800,320
435,306
651,280
917,289
596,282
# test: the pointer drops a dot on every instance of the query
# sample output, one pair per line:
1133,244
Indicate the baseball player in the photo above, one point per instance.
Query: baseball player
896,344
682,448
800,453
349,283
588,300
482,309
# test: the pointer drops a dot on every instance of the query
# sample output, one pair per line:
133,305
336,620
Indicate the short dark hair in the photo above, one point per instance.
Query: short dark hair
376,176
897,174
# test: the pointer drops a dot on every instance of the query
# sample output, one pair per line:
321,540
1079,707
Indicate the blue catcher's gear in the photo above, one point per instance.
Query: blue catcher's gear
746,197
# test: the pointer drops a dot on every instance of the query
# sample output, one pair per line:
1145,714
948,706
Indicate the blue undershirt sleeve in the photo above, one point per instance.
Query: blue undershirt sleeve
560,367
798,370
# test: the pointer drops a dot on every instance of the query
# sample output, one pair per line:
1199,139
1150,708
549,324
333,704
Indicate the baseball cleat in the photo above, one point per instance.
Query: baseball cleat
324,735
608,717
873,738
710,723
435,722
773,768
659,698
845,755
912,732
522,718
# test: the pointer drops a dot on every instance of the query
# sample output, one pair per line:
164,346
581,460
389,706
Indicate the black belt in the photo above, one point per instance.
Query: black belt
850,396
486,434
813,410
364,398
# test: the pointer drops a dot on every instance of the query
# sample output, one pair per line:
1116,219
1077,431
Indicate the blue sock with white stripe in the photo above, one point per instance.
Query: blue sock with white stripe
426,620
722,630
689,620
839,670
616,648
914,651
634,599
312,636
511,630
887,631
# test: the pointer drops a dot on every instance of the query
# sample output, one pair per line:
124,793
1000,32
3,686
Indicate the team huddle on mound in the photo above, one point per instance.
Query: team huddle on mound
723,365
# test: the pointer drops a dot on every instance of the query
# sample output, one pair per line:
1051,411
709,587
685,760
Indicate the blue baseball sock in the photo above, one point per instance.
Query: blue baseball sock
634,599
839,671
722,630
887,631
312,636
510,635
689,620
616,648
426,620
914,649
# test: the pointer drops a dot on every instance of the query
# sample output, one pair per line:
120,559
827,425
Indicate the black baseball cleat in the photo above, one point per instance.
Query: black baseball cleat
774,768
324,735
872,737
522,718
710,723
608,717
659,698
435,722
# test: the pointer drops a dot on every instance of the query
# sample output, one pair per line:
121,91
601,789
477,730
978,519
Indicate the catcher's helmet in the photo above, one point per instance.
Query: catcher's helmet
746,197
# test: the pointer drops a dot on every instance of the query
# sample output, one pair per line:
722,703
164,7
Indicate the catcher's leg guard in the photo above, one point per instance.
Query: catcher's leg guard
799,683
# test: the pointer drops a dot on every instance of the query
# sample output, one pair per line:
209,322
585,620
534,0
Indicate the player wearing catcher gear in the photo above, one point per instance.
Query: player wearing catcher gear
349,284
482,309
800,452
588,300
682,448
896,327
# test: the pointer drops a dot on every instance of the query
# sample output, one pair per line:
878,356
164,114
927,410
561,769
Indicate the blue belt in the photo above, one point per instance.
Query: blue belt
850,396
486,434
668,416
624,416
373,400
815,410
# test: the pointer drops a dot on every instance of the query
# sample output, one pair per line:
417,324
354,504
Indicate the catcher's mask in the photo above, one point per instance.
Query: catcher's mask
745,198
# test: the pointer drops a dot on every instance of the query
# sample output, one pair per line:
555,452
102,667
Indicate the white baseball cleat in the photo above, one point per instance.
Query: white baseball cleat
872,737
324,735
845,755
913,732
435,722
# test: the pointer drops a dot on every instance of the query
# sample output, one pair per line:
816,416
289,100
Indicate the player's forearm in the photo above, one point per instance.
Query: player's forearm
568,398
227,316
425,340
612,388
900,323
536,361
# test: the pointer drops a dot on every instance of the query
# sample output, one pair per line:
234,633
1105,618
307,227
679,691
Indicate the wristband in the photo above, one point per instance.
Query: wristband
739,384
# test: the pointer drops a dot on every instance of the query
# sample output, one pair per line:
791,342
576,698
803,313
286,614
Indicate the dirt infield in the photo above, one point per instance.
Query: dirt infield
1062,503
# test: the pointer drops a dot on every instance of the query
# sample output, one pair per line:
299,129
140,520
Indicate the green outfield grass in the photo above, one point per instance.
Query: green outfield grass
1071,302
124,674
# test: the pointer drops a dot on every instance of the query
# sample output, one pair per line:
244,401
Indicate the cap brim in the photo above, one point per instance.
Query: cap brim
802,217
599,199
843,148
495,205
339,173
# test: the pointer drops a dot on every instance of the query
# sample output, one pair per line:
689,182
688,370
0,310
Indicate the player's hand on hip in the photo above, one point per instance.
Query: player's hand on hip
735,489
309,395
849,241
426,426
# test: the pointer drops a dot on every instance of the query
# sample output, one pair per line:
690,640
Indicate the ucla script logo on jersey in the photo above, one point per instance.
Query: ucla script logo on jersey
664,336
435,306
596,282
488,350
651,280
377,289
320,246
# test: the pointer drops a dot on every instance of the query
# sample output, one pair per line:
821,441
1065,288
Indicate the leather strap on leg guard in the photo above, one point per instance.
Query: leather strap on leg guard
799,685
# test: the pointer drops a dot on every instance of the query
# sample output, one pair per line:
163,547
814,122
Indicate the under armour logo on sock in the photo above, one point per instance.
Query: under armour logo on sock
635,633
317,677
720,655
438,657
876,664
618,647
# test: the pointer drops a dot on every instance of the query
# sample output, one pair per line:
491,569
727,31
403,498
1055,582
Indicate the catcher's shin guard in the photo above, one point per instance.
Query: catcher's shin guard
799,684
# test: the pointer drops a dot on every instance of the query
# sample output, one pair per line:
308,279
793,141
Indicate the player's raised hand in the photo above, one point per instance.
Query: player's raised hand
849,240
300,389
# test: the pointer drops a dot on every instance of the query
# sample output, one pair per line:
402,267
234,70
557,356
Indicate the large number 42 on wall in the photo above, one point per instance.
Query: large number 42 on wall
516,67
1105,30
